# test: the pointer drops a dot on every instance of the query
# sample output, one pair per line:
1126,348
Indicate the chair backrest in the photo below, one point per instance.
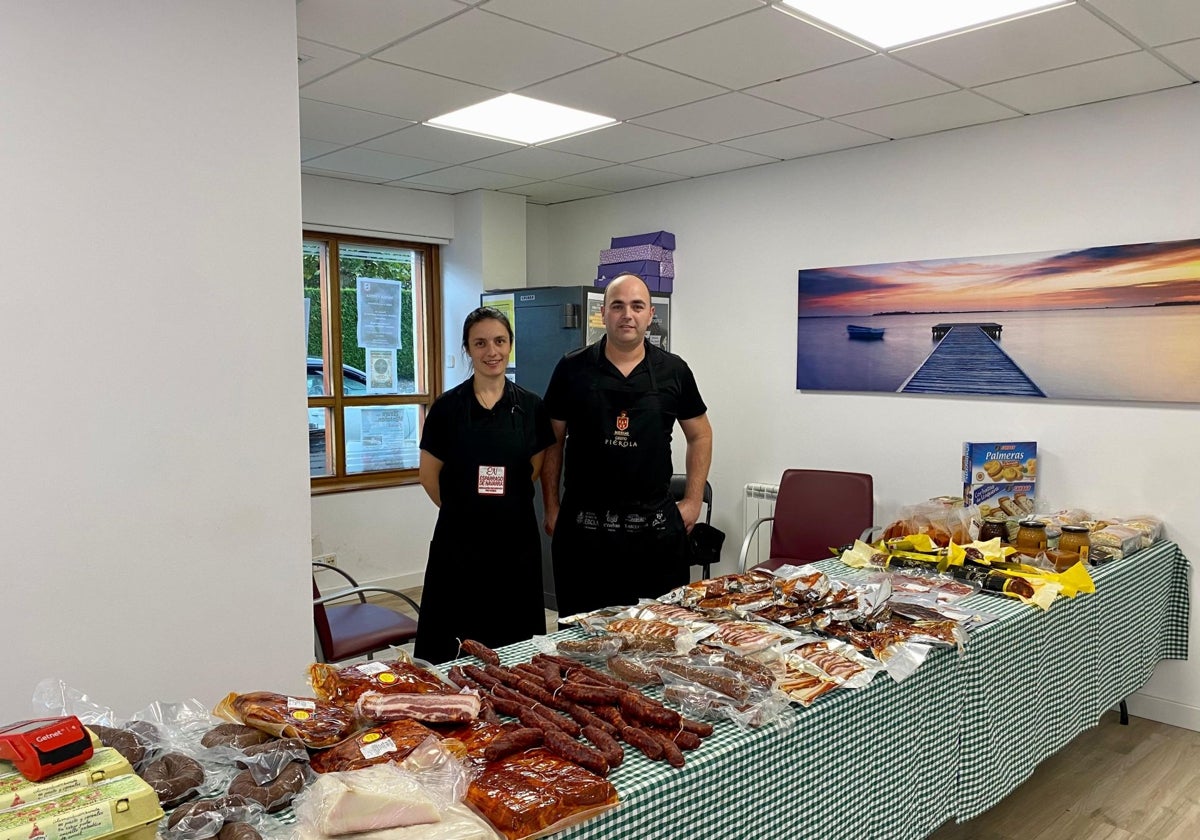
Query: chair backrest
321,621
679,487
819,509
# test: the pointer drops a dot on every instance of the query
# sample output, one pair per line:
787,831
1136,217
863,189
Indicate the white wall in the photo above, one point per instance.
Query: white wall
154,505
1111,173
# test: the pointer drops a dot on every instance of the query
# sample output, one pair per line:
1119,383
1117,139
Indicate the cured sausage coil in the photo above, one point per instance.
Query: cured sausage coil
592,694
641,707
650,746
606,744
480,651
512,742
480,676
670,750
564,746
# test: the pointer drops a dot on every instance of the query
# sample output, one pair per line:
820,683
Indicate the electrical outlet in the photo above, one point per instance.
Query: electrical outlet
330,559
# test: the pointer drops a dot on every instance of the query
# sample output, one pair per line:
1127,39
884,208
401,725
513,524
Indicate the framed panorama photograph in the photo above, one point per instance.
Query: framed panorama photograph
1119,322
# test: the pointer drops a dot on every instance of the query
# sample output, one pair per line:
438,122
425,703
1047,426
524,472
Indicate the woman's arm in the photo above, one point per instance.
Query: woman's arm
430,472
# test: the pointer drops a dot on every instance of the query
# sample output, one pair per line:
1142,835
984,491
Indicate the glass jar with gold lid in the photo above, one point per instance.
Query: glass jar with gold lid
1031,535
1075,538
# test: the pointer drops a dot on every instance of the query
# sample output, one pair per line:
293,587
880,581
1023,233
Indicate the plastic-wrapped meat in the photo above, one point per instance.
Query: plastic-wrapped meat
792,616
386,742
345,685
833,664
804,687
668,612
316,723
643,627
431,708
747,636
744,600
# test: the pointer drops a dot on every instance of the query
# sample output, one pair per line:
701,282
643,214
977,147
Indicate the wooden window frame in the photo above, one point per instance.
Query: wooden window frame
331,325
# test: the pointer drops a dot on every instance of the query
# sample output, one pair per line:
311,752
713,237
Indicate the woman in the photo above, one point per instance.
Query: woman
481,451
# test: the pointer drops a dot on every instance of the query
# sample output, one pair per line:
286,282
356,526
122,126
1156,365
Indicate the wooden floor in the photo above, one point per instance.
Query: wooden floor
1113,782
1135,782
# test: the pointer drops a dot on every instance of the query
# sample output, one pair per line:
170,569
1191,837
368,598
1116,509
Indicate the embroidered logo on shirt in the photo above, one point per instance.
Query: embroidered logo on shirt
621,437
491,481
622,421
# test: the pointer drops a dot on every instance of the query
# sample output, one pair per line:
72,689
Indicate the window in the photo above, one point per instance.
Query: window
372,308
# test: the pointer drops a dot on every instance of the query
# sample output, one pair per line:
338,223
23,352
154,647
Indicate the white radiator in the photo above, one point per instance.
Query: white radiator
758,501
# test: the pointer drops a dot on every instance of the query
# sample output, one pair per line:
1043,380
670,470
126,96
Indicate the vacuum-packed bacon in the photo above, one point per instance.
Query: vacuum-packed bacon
345,685
431,708
386,742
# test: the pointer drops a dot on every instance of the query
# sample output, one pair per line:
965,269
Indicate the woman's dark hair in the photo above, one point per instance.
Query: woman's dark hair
484,313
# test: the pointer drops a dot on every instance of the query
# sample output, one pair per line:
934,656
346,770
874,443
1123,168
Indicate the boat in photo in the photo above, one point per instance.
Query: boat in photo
864,333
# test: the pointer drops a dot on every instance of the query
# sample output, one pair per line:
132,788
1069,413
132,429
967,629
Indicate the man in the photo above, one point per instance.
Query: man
618,535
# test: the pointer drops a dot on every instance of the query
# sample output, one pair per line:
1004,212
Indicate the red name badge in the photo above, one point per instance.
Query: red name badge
491,481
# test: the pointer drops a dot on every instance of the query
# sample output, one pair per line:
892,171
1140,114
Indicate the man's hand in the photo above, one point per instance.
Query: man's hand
689,509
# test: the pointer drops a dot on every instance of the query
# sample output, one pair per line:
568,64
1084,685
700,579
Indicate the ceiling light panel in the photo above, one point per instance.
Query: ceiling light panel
520,119
888,23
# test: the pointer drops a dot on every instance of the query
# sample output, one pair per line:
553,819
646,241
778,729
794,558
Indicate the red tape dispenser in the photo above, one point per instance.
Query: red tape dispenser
40,748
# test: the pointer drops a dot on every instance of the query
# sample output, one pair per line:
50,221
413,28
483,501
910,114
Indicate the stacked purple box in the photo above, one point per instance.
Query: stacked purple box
648,255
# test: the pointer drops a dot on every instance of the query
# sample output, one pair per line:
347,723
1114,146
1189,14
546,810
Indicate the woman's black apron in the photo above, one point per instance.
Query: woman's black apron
484,578
619,536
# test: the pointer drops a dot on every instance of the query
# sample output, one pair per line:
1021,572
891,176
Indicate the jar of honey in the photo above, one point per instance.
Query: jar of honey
1031,536
993,527
1075,538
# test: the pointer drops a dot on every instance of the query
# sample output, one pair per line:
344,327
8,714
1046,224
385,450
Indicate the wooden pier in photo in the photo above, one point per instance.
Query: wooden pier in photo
967,360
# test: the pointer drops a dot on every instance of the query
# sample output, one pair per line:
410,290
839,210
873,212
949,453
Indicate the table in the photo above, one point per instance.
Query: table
896,760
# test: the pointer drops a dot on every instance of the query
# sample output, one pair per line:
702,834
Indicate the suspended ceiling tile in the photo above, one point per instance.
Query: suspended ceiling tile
925,116
622,88
623,142
312,169
1154,22
870,82
315,60
809,139
431,143
490,50
705,160
621,177
1058,38
347,126
620,25
464,178
553,192
724,117
358,161
541,163
367,26
751,49
398,91
1186,55
310,149
1109,78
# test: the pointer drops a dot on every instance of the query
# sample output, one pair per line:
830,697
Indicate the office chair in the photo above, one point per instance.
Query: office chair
345,631
815,510
678,489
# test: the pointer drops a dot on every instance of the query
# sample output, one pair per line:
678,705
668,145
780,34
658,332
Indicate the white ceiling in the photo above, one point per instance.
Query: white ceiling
700,86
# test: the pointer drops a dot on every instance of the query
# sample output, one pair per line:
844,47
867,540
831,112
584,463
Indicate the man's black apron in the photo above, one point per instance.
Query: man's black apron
619,536
484,578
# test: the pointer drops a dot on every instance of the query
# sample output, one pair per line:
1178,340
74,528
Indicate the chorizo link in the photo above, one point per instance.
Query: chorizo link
613,716
506,705
699,727
586,717
459,678
641,707
508,743
633,671
487,711
671,752
684,739
606,744
504,675
480,676
551,673
571,666
592,694
561,744
650,746
480,651
729,686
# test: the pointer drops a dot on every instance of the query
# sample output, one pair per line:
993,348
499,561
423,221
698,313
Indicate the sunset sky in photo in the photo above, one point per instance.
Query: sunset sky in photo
1110,276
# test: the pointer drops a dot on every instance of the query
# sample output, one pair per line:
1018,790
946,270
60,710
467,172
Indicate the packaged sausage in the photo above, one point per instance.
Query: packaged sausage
315,722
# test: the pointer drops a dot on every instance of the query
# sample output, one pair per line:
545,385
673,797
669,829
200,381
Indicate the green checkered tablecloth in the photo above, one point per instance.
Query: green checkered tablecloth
893,761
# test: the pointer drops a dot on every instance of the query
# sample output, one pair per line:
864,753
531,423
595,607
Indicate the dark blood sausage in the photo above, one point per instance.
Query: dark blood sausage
641,707
671,751
480,651
606,744
592,694
701,728
650,746
633,671
563,745
480,676
512,742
